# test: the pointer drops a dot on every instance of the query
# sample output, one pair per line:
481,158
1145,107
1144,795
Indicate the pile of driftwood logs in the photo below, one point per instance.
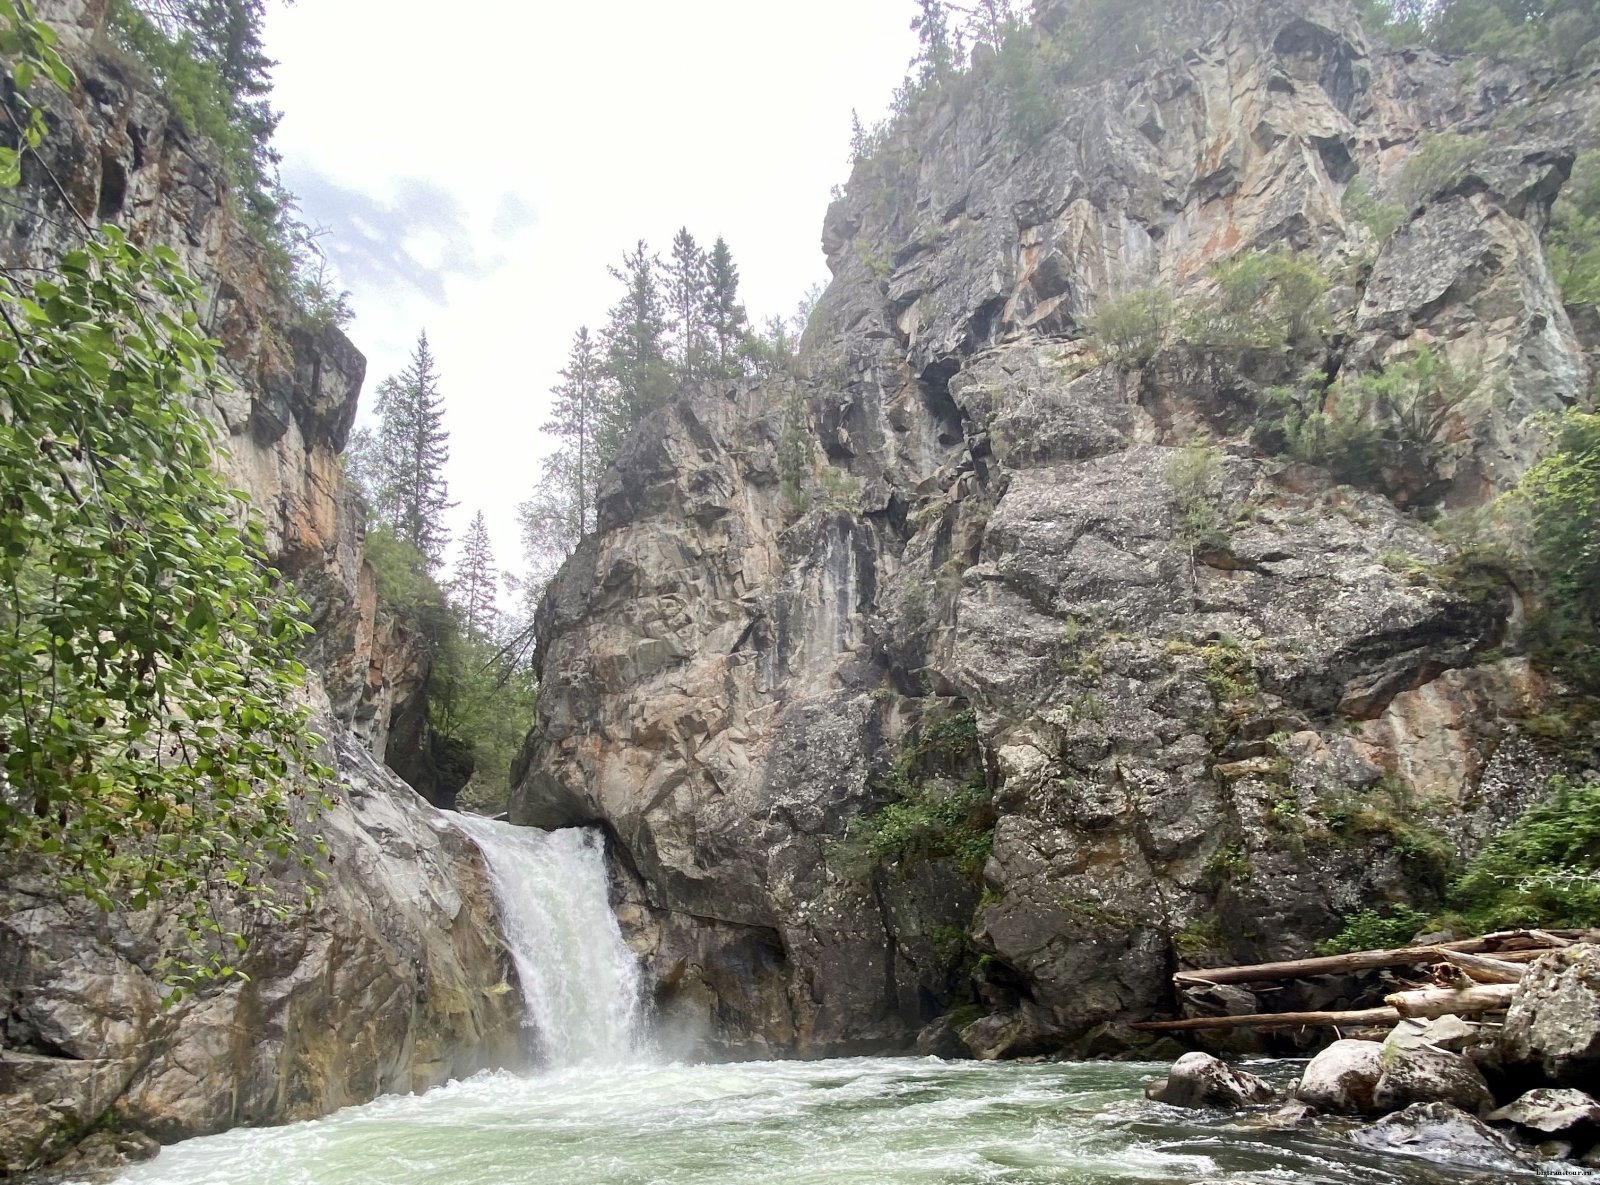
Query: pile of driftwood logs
1473,977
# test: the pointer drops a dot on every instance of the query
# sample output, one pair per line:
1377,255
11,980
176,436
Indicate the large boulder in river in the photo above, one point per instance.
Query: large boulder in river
1552,1031
1438,1131
1552,1112
1200,1080
1021,1032
1343,1078
1417,1072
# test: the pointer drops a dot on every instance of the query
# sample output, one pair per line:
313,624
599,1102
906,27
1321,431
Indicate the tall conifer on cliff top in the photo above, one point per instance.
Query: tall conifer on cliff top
413,450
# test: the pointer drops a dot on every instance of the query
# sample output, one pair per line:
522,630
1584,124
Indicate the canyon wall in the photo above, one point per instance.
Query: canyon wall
395,978
1191,747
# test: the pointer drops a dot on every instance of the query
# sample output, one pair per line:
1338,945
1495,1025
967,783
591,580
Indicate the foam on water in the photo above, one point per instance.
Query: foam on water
598,1113
862,1121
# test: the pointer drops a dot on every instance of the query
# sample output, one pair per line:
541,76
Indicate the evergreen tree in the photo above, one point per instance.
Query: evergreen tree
225,36
574,420
988,22
727,324
361,464
550,527
475,583
687,296
413,449
937,57
635,337
859,144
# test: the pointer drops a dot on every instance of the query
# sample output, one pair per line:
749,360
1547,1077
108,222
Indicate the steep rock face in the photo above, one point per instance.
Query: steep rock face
394,980
116,153
1197,744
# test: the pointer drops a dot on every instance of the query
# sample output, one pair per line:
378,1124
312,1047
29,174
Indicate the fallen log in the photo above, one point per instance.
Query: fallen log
1523,956
1426,1003
1422,1004
1534,943
1274,1020
1484,969
1550,938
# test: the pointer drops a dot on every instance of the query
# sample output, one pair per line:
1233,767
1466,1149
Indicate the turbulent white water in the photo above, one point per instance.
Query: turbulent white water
863,1121
599,1114
580,983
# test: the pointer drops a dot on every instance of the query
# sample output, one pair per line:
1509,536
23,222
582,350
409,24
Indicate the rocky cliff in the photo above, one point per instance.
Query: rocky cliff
396,978
1189,745
116,153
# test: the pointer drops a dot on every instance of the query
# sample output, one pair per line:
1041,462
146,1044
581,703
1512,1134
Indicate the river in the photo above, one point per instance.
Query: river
602,1110
862,1121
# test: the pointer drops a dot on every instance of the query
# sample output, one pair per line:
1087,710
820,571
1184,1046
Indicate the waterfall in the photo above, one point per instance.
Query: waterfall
580,982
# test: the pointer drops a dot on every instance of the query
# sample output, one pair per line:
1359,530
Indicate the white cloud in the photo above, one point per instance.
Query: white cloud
478,166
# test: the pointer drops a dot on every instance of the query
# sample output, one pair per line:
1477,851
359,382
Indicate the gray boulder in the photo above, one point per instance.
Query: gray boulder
1018,1033
1416,1072
1200,1080
1551,1112
1552,1029
1343,1078
942,1038
1440,1132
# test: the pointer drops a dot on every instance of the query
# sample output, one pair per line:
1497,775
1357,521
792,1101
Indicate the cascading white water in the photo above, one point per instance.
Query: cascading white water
580,982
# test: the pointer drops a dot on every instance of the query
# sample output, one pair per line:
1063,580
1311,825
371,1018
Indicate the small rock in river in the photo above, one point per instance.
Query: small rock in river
1200,1080
1551,1111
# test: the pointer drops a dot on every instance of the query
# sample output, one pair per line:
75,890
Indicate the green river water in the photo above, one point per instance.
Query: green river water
859,1120
613,1113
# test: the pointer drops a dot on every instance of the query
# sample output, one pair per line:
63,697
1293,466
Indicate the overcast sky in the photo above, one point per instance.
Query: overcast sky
479,163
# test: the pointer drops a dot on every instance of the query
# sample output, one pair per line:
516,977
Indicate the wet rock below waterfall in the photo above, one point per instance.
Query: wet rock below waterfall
1553,1112
1200,1080
1342,1078
1440,1132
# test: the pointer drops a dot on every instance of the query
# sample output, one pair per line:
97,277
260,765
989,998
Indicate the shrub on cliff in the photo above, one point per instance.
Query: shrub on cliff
1561,495
1364,424
1128,330
1544,870
1364,207
1265,300
1439,162
1563,32
1574,246
932,814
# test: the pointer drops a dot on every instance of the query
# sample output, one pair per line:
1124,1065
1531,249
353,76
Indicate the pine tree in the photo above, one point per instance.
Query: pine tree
936,58
728,326
686,295
473,589
635,340
413,449
550,528
226,36
575,419
859,144
988,22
